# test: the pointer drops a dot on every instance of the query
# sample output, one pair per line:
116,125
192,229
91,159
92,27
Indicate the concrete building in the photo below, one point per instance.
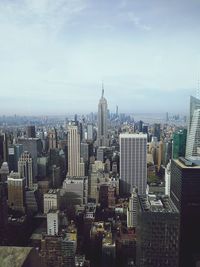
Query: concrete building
25,168
16,192
51,200
76,188
53,222
133,163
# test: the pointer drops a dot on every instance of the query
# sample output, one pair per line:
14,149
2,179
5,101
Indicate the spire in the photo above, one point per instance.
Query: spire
102,90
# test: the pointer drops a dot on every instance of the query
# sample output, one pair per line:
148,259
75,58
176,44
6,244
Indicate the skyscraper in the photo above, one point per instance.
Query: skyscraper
157,232
52,136
133,163
179,143
102,136
193,135
75,167
25,168
185,194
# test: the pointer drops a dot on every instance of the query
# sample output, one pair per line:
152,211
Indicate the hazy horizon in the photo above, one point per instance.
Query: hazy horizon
55,55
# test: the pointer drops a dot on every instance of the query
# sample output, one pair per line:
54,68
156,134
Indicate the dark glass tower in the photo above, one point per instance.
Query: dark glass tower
157,232
179,143
185,194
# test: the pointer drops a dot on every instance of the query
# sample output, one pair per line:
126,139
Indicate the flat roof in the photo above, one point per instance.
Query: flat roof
132,135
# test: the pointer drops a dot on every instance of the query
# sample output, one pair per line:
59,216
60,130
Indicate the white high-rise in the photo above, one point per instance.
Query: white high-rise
102,135
193,134
133,163
75,166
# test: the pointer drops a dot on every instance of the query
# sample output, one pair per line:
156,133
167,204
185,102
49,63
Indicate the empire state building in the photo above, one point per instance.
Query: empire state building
102,137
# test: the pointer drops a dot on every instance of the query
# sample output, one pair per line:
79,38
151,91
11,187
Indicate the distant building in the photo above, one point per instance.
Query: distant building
157,232
133,163
34,147
25,168
90,132
102,135
157,131
53,140
179,143
31,131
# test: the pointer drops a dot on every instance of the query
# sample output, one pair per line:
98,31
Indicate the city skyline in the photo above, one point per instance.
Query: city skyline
54,55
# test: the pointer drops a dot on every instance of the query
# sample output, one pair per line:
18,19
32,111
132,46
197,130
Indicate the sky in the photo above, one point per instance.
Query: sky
54,55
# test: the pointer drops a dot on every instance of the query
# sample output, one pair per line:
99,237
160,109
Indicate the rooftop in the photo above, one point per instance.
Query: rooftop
188,162
153,203
13,256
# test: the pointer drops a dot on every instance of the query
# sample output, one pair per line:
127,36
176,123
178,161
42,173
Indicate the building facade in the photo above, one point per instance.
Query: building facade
133,163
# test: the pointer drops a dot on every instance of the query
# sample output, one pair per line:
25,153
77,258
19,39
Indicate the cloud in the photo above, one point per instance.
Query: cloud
137,21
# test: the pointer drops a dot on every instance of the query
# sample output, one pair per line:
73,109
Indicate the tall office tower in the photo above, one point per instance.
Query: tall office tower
53,140
90,132
157,232
74,161
193,133
53,222
185,194
31,131
11,157
85,152
157,131
3,147
18,150
34,147
179,144
3,213
16,192
25,169
102,136
133,163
